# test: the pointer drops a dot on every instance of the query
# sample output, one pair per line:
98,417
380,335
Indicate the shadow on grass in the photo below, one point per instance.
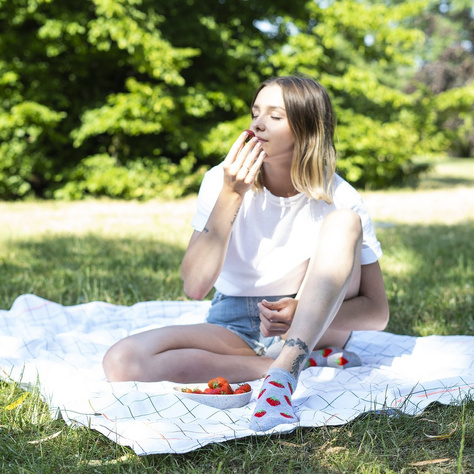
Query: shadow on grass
428,273
77,269
439,182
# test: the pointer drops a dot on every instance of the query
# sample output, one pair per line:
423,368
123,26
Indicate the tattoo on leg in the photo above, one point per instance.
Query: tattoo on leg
205,230
301,359
301,344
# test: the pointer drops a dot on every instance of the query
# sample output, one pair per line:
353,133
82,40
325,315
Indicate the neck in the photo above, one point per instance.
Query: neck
278,180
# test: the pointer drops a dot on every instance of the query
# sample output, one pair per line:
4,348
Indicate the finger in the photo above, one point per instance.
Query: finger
264,331
271,331
268,314
258,155
273,305
236,148
246,155
273,322
269,304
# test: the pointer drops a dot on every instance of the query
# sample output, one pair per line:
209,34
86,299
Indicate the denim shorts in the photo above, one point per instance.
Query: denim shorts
240,314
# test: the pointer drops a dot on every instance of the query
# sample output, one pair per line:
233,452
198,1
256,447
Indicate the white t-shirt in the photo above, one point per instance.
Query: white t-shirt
273,237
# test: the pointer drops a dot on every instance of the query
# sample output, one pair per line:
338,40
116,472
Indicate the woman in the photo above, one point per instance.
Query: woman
291,252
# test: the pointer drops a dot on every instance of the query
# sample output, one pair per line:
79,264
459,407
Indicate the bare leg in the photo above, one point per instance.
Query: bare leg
326,284
184,354
335,337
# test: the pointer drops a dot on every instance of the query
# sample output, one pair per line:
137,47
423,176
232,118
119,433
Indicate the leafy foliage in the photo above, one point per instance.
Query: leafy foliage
446,78
354,48
134,98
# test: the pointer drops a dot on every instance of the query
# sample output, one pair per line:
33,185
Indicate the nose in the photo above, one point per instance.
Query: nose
258,123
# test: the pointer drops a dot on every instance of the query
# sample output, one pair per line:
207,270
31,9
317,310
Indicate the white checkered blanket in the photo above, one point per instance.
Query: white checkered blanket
61,349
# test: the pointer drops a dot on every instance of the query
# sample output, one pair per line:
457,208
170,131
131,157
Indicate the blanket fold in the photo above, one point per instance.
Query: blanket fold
61,348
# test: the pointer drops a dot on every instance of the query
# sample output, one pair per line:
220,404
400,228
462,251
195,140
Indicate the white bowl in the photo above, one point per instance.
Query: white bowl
223,402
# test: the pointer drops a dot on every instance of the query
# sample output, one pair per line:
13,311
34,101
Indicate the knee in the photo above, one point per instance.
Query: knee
121,362
345,220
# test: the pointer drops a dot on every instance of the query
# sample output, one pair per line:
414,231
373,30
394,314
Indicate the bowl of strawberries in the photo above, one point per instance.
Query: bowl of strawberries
217,393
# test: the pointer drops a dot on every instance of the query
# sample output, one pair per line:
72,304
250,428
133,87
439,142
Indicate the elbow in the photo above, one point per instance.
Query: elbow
196,286
383,316
194,289
195,293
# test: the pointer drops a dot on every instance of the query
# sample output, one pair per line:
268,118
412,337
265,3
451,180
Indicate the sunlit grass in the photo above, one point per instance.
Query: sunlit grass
128,252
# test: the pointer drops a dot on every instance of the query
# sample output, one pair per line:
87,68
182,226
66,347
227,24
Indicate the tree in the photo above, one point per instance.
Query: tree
135,98
92,86
447,73
357,50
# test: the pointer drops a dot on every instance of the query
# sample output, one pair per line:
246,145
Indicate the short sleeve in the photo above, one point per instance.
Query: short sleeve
347,197
371,248
209,191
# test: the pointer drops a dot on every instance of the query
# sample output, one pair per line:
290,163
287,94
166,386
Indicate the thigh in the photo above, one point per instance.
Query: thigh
354,285
333,338
205,336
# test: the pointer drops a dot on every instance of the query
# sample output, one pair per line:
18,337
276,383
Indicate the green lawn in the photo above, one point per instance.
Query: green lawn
125,252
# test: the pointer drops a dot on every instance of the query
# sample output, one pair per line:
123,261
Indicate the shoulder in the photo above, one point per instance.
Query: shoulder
345,195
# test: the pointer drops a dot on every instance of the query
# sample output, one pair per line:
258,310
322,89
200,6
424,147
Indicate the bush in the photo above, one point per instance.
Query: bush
103,175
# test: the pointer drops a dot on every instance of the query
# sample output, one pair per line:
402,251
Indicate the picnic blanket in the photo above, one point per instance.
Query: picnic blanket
60,348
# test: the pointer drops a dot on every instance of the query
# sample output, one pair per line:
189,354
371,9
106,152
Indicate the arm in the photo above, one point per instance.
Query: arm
367,311
205,255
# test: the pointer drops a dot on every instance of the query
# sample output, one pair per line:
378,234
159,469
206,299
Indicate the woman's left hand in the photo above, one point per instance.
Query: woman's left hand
276,317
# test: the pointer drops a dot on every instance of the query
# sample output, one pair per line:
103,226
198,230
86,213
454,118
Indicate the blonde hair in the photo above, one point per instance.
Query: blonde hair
312,123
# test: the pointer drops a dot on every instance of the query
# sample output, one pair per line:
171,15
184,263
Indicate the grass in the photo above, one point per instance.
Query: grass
124,252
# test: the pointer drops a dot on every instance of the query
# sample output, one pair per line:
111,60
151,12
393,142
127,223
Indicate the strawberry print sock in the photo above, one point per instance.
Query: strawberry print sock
274,401
333,357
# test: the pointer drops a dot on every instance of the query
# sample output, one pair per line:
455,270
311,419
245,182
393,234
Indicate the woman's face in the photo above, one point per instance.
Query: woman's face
270,124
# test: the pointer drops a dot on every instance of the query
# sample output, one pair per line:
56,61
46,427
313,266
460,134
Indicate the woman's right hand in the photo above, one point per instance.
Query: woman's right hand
206,252
242,164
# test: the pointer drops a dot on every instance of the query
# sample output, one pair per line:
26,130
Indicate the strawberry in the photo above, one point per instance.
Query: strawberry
288,400
250,134
262,392
260,413
342,361
218,391
196,390
217,382
227,389
245,387
273,401
238,391
276,384
286,415
291,388
311,363
208,390
186,390
326,352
